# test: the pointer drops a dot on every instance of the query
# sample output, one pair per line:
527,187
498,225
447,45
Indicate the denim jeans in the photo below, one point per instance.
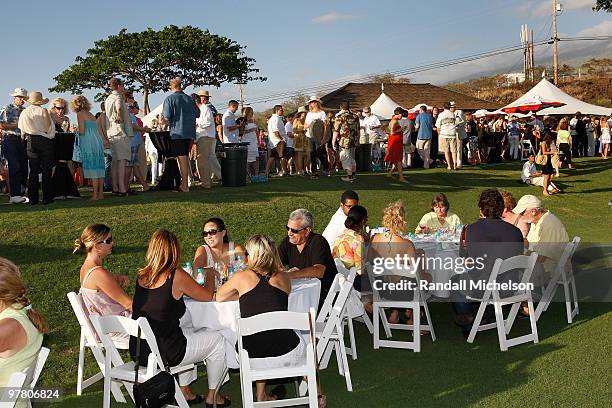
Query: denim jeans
13,149
108,182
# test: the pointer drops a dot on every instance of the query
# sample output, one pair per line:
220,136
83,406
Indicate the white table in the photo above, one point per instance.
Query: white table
441,249
223,316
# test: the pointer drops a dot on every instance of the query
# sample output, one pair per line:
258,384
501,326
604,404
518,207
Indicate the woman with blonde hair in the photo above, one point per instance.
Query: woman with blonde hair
263,287
564,142
92,142
160,287
58,112
605,137
300,142
391,243
21,326
102,291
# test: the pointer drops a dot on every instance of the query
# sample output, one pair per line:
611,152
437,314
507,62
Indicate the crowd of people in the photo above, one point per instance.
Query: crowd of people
505,228
113,148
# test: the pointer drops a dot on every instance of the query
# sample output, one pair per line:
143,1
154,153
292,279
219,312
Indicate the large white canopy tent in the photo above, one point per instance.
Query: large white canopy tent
546,90
384,106
147,119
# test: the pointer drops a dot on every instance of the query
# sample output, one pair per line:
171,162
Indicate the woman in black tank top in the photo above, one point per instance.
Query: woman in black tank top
262,288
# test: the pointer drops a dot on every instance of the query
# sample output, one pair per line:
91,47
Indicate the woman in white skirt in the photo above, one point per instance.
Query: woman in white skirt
605,137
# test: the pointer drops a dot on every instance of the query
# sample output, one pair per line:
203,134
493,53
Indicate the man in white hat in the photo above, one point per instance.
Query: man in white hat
206,141
547,236
13,148
39,131
316,132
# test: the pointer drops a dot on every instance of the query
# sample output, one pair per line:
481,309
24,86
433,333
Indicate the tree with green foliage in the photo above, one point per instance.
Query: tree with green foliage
147,60
389,79
603,5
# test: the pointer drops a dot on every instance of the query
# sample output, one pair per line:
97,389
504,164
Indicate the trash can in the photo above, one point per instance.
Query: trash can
234,164
363,157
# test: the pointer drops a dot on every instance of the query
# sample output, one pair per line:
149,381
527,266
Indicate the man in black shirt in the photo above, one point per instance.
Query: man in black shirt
307,254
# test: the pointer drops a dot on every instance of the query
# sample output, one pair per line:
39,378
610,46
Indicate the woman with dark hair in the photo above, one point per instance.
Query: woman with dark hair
219,127
158,297
434,137
262,288
439,217
348,247
547,168
395,149
217,250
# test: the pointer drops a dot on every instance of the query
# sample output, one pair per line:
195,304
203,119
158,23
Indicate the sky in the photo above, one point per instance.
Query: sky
299,44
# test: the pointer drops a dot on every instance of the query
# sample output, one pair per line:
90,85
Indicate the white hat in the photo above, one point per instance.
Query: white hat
314,99
527,202
452,103
20,92
36,98
202,92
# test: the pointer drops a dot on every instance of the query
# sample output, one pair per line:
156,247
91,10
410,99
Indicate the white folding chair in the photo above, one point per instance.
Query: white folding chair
303,322
354,309
564,276
492,297
114,367
16,382
419,299
526,148
24,379
329,328
89,339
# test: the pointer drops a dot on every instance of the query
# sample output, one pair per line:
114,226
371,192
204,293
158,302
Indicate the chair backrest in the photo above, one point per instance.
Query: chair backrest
16,381
348,274
518,262
568,253
105,325
43,354
328,303
82,315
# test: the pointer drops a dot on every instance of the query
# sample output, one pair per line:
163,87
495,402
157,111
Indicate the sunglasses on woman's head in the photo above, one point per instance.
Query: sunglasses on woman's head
107,241
210,232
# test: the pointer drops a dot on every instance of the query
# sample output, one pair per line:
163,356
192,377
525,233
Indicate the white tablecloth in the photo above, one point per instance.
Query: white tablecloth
223,316
447,251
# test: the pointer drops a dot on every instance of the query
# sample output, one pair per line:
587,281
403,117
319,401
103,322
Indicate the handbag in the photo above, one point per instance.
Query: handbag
157,391
540,158
76,149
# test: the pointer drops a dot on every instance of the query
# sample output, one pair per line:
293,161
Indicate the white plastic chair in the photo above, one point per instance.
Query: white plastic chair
419,300
564,276
492,297
273,321
329,328
89,339
116,369
526,148
25,379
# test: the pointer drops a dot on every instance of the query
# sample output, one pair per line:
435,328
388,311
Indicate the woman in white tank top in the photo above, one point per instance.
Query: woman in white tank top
217,248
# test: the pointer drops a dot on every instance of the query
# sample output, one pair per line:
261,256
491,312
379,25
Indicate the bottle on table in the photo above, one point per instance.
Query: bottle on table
200,278
239,265
188,268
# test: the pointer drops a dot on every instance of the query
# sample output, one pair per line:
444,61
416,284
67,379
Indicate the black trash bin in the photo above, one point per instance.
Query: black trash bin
363,157
234,164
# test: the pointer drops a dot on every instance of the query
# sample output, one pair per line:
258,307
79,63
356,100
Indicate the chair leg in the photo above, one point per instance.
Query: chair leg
429,321
385,322
376,322
512,316
352,339
476,322
179,397
81,364
326,355
416,327
345,368
340,351
573,283
367,322
568,303
534,323
313,401
499,322
107,392
247,392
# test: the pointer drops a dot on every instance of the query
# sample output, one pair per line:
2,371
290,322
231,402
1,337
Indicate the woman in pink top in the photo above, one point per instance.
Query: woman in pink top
102,291
515,219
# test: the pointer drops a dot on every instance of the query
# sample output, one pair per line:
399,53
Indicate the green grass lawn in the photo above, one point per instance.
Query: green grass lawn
570,366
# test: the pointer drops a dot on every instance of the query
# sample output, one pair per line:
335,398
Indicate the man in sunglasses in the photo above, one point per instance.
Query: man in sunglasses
305,253
13,147
348,200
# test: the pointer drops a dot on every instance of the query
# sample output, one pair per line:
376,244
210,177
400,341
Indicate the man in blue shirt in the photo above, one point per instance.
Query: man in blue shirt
180,112
424,124
13,148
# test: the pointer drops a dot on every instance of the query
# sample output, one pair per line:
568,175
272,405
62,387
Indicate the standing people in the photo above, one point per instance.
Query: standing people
38,130
231,130
289,151
276,140
407,125
395,149
206,141
92,143
300,142
564,142
13,147
137,149
547,169
435,146
514,136
58,111
346,134
447,129
108,158
250,136
181,112
605,137
460,130
424,125
119,132
316,131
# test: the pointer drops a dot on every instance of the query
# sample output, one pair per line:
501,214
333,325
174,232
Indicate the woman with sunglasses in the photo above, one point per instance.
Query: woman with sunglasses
58,112
102,291
217,249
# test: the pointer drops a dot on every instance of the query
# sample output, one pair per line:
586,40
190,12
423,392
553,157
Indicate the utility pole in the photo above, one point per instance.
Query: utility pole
555,45
241,86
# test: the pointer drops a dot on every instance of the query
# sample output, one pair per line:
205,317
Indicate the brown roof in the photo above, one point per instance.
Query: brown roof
407,95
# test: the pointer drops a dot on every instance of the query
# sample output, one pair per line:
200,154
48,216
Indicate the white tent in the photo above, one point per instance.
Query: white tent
152,115
384,106
547,90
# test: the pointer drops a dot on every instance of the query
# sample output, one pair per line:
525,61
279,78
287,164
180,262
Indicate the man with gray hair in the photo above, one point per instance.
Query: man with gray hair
547,236
305,253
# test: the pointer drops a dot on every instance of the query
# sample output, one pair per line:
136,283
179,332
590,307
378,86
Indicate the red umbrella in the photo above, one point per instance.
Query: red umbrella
532,104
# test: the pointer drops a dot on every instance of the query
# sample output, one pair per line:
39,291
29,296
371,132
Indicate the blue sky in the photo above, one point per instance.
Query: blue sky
296,44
